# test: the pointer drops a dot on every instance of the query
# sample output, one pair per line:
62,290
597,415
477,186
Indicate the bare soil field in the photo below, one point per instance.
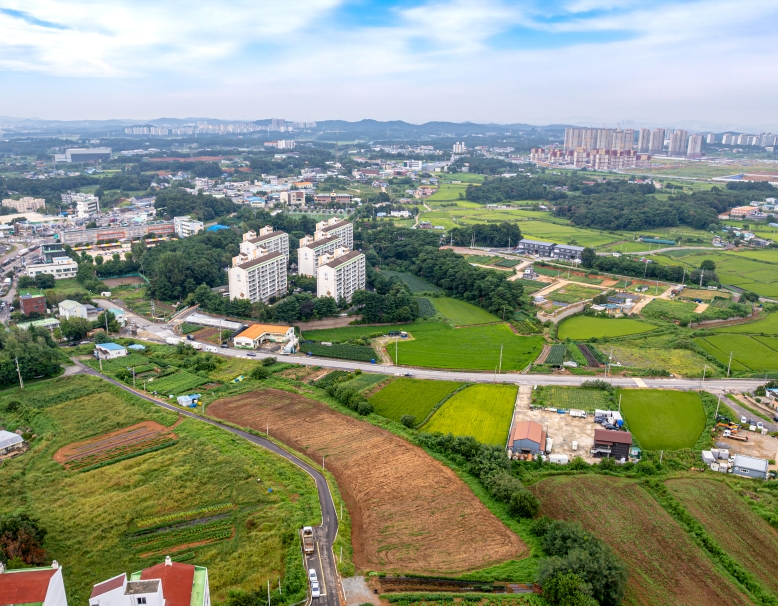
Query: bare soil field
409,512
112,282
303,373
741,532
665,566
336,322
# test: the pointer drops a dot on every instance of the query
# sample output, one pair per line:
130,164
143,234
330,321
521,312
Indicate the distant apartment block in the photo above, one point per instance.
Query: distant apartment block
460,148
293,197
83,154
412,164
656,142
710,139
185,227
678,142
694,147
644,140
269,240
333,197
599,138
25,205
336,227
340,274
311,250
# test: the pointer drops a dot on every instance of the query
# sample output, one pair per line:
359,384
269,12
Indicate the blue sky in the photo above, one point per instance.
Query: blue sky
662,62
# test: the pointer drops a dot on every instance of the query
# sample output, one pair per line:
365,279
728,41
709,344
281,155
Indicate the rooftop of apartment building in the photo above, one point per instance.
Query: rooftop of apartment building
342,259
260,260
322,242
334,226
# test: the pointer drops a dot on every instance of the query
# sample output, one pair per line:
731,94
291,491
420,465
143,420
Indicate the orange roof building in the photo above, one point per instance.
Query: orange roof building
256,334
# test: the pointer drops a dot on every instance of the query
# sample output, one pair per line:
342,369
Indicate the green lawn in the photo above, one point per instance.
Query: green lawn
462,313
663,420
468,348
90,515
411,397
481,411
572,293
581,328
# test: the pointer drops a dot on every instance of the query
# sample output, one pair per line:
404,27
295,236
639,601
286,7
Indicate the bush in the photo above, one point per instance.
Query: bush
597,384
408,420
268,361
364,408
259,373
523,504
568,589
502,485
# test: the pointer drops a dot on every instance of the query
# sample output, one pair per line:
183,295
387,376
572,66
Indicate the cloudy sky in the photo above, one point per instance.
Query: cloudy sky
536,61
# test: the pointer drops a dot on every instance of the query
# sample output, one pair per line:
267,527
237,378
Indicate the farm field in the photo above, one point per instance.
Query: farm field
767,325
462,313
570,397
662,309
663,419
481,411
581,328
677,361
748,353
245,547
732,524
666,567
572,293
409,512
414,283
473,347
411,397
563,234
703,295
345,333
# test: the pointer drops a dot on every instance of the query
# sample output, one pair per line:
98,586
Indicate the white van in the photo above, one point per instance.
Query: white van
211,348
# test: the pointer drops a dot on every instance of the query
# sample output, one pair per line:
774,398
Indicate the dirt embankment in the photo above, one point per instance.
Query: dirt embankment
409,512
665,566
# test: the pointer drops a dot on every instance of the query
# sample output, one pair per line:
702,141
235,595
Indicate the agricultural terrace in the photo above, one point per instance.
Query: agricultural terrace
481,411
414,283
214,514
411,397
757,354
663,419
766,325
437,524
462,313
666,567
583,328
733,525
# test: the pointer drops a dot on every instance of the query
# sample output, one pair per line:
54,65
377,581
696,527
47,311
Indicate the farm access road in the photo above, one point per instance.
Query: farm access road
323,559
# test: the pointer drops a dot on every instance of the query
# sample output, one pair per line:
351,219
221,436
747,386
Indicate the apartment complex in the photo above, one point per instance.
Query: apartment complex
340,274
268,240
336,227
185,227
311,250
261,278
25,205
678,142
599,138
598,159
694,147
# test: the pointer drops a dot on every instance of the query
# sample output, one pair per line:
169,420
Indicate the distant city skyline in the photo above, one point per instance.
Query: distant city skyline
672,63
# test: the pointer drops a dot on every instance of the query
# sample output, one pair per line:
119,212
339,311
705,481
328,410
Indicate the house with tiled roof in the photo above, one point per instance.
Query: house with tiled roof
39,586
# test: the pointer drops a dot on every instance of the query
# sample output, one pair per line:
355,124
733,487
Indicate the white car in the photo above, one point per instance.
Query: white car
760,425
312,576
315,591
743,420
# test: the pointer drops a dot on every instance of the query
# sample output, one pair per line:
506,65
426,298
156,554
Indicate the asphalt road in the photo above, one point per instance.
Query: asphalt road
323,559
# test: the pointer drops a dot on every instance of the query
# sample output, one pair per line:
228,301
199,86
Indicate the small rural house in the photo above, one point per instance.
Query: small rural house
11,443
750,467
109,351
167,584
72,309
42,586
527,437
256,334
615,444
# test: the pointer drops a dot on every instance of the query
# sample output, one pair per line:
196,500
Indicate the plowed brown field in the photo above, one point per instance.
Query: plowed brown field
741,532
665,566
409,512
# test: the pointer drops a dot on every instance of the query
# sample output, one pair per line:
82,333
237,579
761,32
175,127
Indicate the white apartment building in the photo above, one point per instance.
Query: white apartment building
459,148
293,197
412,164
336,227
311,250
340,274
269,240
25,205
60,268
260,278
86,204
186,227
694,148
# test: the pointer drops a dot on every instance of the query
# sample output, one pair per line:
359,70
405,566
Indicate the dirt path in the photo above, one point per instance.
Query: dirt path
409,512
701,307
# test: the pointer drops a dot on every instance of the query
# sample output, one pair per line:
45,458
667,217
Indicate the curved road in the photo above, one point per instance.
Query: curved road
323,560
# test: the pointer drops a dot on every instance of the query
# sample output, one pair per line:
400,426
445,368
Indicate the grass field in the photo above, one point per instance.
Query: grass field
663,420
756,354
462,313
572,293
91,515
414,283
661,309
571,397
667,568
767,326
481,411
681,362
411,397
580,328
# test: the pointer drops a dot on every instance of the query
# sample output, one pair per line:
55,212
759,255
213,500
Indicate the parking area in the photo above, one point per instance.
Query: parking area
759,446
564,430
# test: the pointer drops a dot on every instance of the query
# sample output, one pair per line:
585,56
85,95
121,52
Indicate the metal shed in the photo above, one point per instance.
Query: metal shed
750,467
528,437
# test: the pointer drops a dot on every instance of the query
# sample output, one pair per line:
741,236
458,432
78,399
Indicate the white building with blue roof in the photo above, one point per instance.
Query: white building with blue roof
109,351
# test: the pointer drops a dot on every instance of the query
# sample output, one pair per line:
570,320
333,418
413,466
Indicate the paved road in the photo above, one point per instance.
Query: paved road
323,560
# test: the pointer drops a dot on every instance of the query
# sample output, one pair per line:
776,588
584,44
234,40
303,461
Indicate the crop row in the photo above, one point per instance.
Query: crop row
330,378
130,455
360,353
177,383
120,451
590,357
181,515
426,308
190,533
557,355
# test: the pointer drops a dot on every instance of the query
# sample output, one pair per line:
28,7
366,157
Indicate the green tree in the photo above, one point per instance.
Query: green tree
588,257
74,329
708,265
568,589
408,420
523,504
259,373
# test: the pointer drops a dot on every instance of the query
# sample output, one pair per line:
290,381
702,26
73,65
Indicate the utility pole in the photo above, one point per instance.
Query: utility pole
717,408
133,377
730,364
704,372
396,352
19,372
500,357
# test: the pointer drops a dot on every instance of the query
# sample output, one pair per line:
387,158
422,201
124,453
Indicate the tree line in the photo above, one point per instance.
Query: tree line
521,187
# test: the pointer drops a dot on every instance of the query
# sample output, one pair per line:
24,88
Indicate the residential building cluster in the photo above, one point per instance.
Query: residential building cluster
566,252
25,205
598,159
234,128
745,140
86,204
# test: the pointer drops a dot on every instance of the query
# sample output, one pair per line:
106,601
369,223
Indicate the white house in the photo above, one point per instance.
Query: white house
256,334
109,351
42,586
167,584
72,309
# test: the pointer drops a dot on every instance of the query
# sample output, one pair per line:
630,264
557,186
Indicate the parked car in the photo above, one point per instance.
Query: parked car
314,580
743,420
759,425
225,345
251,354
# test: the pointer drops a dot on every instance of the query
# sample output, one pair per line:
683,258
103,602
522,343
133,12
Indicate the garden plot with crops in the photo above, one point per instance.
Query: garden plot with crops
571,397
572,293
462,313
582,328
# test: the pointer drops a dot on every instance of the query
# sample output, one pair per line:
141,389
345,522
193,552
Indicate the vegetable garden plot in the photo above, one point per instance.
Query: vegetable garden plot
361,353
176,383
557,355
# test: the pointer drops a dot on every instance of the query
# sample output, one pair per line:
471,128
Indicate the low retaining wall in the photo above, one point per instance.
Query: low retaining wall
563,313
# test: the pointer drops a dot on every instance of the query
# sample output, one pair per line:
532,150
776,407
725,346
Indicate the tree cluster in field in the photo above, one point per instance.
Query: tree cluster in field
488,234
262,370
350,398
506,189
581,569
490,465
417,252
175,202
389,302
627,266
75,329
485,166
21,541
34,348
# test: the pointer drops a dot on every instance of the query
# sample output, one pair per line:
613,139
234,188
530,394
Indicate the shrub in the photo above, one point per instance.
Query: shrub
568,589
502,485
259,373
523,504
408,420
540,526
364,408
597,384
268,361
